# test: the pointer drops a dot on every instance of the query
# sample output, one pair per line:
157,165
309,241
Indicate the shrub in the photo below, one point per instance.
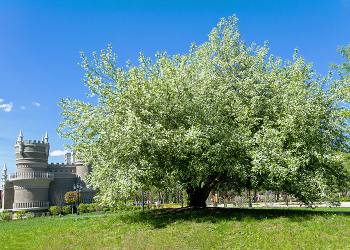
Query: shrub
20,214
91,207
43,215
66,209
98,208
30,215
105,209
343,198
82,208
54,210
6,215
121,205
128,208
129,202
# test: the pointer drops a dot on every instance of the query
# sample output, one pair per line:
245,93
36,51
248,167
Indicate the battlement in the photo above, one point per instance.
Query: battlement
52,164
31,143
41,142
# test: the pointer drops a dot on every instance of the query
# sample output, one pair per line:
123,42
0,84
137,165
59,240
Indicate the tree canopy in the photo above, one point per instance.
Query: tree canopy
224,112
71,197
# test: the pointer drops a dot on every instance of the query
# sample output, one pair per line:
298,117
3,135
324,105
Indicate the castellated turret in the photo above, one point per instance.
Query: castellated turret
31,155
31,182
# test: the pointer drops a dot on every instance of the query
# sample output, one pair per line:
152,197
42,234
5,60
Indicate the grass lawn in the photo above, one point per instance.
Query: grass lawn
186,228
317,209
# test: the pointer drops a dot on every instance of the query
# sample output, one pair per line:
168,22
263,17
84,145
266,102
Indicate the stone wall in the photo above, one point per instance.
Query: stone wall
31,195
8,196
59,187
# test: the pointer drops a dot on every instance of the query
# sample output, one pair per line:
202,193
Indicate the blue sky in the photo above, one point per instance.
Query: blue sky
40,43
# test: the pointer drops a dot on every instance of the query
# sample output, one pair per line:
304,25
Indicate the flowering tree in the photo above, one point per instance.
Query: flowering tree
342,85
224,112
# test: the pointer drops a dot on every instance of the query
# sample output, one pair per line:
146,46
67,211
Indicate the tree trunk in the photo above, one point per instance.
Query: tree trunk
254,199
198,195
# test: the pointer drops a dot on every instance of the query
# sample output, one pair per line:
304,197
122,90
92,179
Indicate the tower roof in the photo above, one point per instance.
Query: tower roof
20,137
46,137
4,170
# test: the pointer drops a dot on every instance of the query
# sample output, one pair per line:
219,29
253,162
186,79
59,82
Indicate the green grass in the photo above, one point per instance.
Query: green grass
187,228
317,209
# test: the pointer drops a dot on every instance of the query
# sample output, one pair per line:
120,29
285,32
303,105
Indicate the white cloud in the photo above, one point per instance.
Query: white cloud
23,107
6,107
58,153
36,104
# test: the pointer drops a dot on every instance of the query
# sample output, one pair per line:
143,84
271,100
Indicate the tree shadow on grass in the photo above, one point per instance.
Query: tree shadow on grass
161,218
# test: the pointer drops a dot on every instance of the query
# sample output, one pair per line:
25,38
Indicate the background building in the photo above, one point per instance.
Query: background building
38,185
